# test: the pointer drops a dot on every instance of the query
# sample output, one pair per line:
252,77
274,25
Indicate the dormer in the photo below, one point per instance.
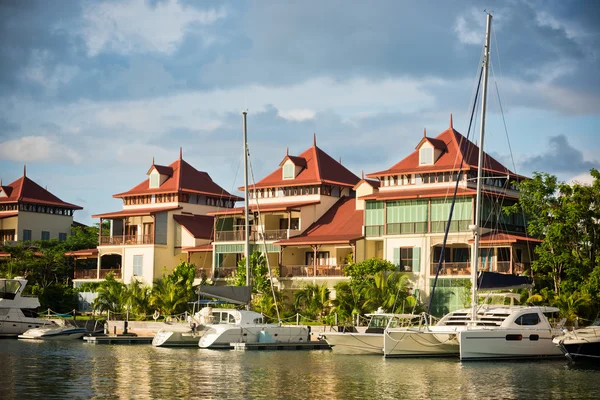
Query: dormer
430,150
291,166
4,192
158,174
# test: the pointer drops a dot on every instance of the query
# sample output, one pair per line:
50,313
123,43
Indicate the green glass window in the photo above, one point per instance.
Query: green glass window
374,213
288,171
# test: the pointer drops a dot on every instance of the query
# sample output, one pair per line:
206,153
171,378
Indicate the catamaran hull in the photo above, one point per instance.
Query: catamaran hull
506,344
226,337
414,343
355,343
165,338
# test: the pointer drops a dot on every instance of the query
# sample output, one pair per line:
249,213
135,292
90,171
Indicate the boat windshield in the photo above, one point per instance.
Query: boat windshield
379,321
9,289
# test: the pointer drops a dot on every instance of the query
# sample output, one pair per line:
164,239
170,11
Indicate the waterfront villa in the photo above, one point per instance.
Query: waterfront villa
29,212
160,216
302,215
406,214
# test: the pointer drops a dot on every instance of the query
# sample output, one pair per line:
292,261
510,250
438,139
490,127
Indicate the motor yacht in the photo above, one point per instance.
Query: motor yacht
581,344
57,331
224,327
17,311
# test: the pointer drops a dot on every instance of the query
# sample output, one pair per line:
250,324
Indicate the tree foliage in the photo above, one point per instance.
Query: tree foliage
366,270
259,272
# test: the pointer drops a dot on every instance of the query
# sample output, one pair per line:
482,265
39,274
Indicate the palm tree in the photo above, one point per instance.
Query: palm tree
348,302
167,297
312,300
112,296
386,291
138,299
570,305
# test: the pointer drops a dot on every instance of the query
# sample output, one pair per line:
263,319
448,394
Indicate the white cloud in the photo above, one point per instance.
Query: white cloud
136,26
297,114
43,71
37,148
585,178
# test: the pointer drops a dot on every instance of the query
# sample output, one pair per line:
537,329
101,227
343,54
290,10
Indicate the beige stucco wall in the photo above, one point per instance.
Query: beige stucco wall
364,189
38,222
147,252
10,223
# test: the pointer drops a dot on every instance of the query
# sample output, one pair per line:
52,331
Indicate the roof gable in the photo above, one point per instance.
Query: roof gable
26,190
199,226
457,149
183,178
320,168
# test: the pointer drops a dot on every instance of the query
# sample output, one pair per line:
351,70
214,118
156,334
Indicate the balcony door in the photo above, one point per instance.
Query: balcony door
148,233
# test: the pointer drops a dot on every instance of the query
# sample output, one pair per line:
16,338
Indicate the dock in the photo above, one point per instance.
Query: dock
314,345
118,339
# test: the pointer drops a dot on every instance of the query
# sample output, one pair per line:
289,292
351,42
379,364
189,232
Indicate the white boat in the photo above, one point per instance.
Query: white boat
224,327
581,344
60,331
510,332
180,334
17,311
371,340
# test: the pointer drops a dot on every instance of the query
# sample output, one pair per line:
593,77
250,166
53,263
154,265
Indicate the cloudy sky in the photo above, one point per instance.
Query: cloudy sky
90,91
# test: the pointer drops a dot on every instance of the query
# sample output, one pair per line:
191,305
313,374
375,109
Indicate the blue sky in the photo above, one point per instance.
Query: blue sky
90,91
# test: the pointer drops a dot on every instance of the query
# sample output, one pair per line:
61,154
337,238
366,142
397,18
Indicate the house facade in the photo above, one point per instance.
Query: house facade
29,212
288,204
160,216
407,212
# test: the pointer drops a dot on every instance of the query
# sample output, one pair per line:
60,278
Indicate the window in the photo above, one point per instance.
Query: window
26,234
288,171
408,258
45,235
138,262
294,223
528,319
426,156
154,179
62,237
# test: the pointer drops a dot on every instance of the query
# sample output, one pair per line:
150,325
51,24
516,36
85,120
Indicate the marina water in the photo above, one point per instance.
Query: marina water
63,370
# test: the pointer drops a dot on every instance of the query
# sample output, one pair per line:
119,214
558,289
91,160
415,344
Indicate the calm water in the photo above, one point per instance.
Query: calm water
79,370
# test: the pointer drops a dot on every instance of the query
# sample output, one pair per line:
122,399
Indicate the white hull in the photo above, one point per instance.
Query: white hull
167,337
420,343
14,323
485,344
57,333
224,335
355,343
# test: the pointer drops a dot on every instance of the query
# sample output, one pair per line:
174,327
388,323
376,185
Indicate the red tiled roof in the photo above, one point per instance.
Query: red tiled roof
27,191
82,253
342,223
197,249
372,182
320,168
426,193
199,226
9,214
161,169
496,238
457,148
266,207
135,212
184,178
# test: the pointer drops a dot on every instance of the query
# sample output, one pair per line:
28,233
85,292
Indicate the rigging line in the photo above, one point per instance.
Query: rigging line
264,241
439,267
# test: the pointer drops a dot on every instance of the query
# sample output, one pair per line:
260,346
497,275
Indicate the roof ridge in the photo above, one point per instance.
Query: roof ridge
317,161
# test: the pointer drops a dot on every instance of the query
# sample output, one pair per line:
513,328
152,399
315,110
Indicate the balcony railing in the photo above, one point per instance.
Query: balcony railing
295,271
374,230
115,272
126,240
452,268
224,272
86,273
204,273
406,227
255,236
455,226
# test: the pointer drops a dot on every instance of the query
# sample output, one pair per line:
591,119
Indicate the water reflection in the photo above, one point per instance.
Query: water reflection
78,370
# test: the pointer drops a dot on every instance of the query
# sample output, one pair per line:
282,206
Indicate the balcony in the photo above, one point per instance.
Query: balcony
126,240
204,273
406,227
255,236
225,272
374,230
452,268
300,271
93,273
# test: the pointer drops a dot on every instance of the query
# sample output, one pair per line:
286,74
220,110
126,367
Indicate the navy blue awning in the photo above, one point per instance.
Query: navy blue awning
495,280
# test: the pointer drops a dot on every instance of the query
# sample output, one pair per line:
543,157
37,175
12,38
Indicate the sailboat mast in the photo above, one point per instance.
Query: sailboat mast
477,231
246,197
